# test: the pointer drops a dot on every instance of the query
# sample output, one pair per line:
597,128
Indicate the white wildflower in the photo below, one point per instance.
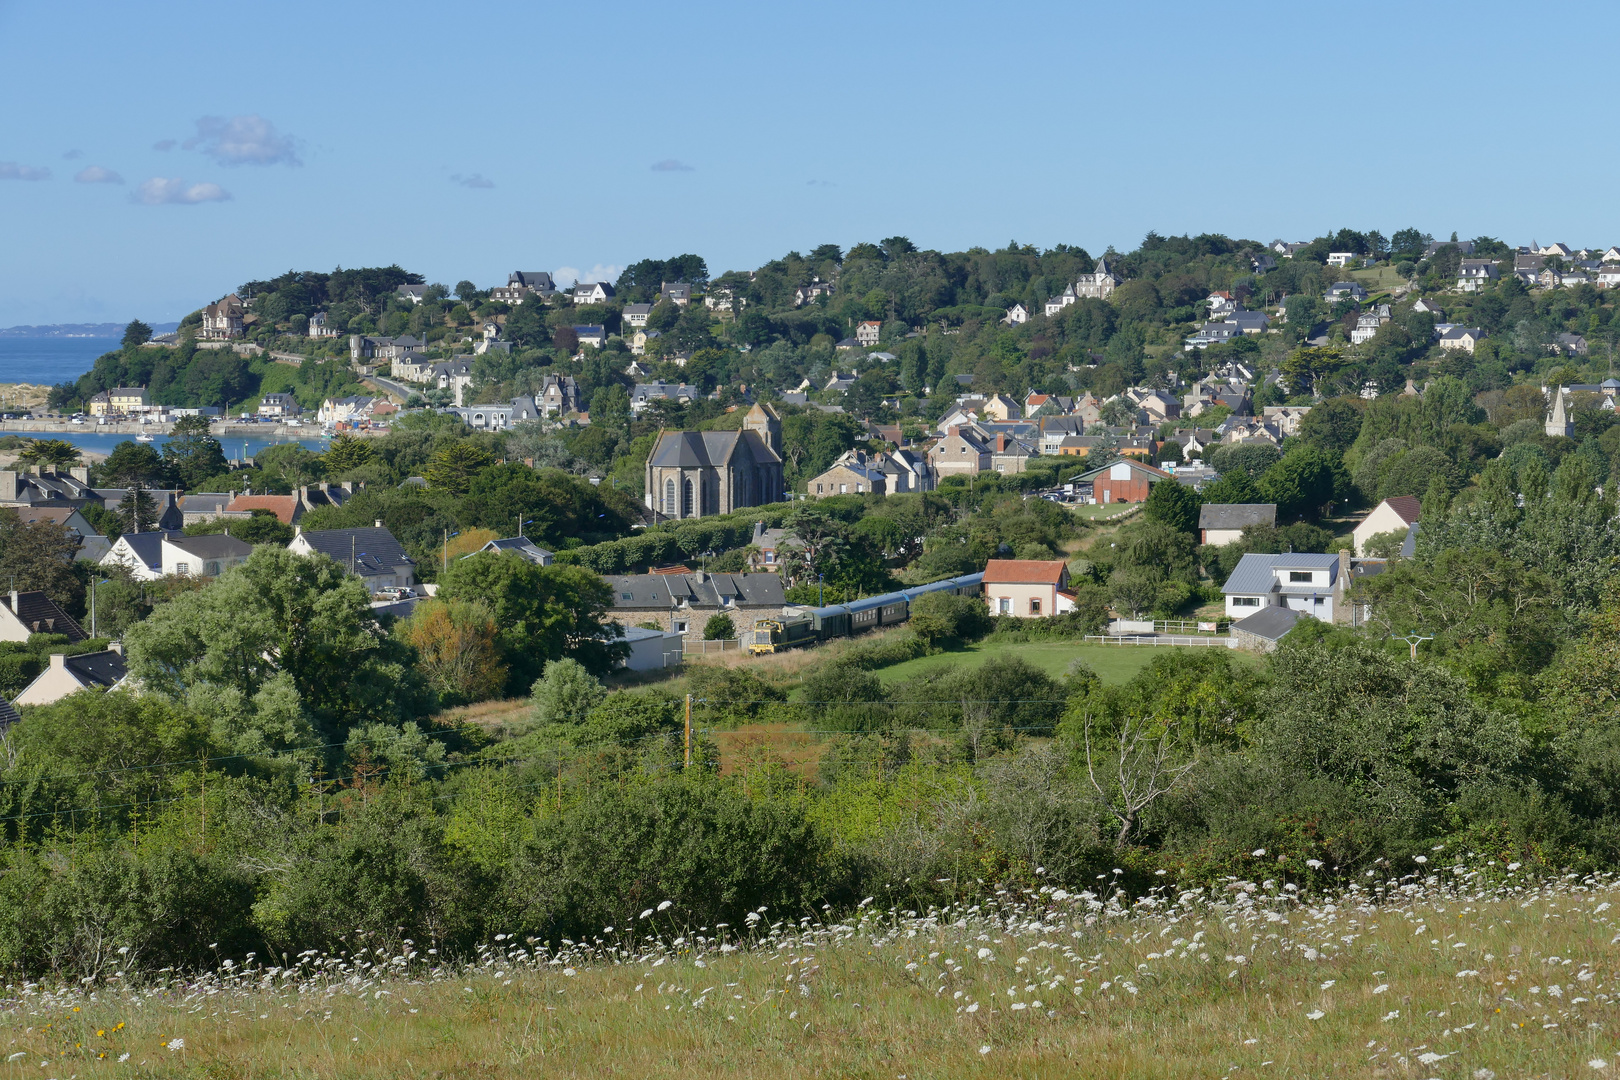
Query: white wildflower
1315,1014
177,1044
1258,852
1329,984
666,905
1380,988
1598,1063
984,1049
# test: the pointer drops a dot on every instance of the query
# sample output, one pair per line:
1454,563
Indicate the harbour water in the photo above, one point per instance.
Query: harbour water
235,446
45,361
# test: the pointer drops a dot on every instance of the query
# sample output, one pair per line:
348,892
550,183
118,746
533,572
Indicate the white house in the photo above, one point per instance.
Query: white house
867,333
69,674
592,292
1341,258
1016,315
1306,583
1461,337
1397,514
152,555
344,410
636,314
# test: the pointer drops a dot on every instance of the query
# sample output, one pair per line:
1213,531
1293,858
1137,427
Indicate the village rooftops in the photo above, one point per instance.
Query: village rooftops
670,591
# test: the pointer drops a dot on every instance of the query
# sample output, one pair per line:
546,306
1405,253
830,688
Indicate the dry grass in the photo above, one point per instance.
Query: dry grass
1468,981
487,714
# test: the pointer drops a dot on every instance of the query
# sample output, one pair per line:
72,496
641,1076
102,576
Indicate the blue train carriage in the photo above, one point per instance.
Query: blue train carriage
829,622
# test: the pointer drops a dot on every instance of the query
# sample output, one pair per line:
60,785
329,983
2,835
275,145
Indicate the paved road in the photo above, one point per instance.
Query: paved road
391,386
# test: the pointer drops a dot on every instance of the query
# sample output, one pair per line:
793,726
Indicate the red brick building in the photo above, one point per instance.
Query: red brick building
1123,481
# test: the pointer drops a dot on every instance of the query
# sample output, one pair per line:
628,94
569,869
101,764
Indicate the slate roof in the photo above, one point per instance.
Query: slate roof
1271,623
8,715
666,591
375,551
690,449
213,546
1252,576
147,546
103,668
40,614
534,279
519,545
637,309
1236,515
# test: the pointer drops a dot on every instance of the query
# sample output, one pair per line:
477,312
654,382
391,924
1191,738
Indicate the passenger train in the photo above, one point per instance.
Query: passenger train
810,625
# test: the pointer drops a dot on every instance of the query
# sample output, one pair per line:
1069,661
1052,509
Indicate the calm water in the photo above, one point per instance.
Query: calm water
49,360
235,446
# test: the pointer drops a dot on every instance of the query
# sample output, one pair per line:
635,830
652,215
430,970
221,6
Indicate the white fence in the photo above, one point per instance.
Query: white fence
1160,639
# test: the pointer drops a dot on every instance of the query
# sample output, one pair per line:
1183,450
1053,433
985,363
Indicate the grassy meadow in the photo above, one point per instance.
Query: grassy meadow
1477,978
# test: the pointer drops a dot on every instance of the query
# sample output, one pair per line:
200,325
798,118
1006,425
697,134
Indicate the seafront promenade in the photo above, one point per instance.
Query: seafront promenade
220,430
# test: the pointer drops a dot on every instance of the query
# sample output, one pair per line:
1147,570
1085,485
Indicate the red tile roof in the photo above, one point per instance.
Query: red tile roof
1407,506
283,506
1023,571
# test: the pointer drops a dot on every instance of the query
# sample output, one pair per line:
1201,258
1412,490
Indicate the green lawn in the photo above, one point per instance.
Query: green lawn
1378,278
1112,663
1104,511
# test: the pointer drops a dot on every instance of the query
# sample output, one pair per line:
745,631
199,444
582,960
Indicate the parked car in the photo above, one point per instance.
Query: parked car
396,592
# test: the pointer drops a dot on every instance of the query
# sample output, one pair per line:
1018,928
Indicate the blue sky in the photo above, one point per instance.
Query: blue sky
154,156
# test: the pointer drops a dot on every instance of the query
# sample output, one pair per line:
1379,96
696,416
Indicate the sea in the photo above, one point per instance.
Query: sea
50,360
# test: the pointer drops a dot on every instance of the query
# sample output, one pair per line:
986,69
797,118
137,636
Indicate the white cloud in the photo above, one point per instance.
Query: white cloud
10,170
95,174
671,165
476,180
568,276
160,190
73,155
244,140
165,145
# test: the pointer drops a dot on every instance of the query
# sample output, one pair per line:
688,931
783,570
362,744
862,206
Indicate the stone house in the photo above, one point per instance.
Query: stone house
684,603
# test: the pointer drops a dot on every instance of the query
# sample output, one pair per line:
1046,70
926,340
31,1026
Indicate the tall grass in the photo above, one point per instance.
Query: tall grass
1465,973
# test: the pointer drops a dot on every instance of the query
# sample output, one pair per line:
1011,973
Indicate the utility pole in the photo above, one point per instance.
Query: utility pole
688,731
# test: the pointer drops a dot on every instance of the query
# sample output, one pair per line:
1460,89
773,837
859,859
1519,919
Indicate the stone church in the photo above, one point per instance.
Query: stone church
694,473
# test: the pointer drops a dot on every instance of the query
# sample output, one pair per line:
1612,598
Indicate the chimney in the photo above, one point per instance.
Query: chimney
378,523
1001,442
81,473
1344,570
116,647
58,661
955,431
348,487
14,601
8,486
701,576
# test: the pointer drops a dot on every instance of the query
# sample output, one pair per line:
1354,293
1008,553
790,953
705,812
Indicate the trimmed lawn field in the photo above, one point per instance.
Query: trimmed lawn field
1112,663
1103,511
